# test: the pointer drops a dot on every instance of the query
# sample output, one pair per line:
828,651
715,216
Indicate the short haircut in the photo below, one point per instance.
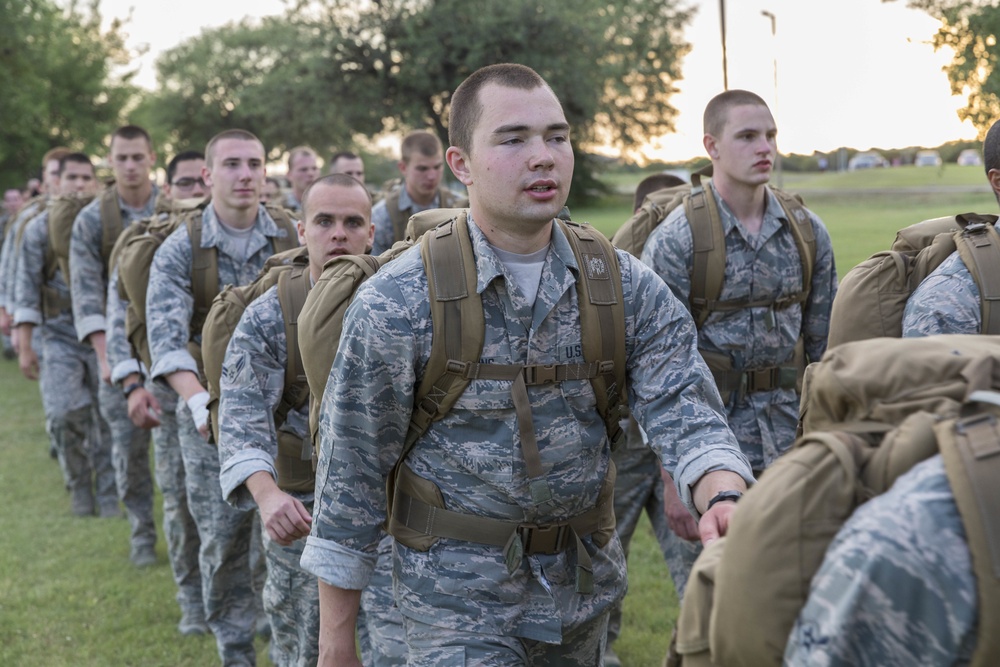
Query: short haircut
342,180
991,148
131,132
79,158
717,110
465,109
242,135
425,143
296,152
347,155
273,181
652,184
57,153
186,156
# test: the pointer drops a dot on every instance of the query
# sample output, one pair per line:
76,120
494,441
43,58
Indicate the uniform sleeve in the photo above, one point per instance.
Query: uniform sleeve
896,587
170,306
668,253
364,416
816,313
120,356
672,392
383,228
252,383
29,274
87,271
946,302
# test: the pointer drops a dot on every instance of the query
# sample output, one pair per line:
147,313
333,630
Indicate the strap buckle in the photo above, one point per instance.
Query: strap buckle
552,538
539,374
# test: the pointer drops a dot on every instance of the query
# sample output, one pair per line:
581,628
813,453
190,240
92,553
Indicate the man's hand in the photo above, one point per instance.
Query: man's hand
285,518
6,321
715,522
143,408
28,360
679,518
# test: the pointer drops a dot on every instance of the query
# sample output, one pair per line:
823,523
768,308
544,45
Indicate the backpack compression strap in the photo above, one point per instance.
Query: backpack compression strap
979,247
111,222
293,287
973,468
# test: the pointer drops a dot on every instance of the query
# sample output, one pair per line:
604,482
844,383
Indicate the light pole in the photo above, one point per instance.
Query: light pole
722,22
774,47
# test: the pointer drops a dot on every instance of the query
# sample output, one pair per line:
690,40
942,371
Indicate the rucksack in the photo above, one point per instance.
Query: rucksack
62,213
872,296
872,410
709,259
458,320
447,200
289,270
61,226
136,257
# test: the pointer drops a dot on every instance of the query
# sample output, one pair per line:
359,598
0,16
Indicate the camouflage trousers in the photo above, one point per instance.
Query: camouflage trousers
291,600
130,453
639,488
231,602
179,528
69,379
380,625
582,646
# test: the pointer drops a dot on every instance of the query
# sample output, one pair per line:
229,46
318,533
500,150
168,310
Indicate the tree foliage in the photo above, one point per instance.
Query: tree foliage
970,28
57,74
332,69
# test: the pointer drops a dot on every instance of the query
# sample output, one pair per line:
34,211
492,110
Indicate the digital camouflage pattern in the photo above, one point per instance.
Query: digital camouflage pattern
11,249
473,453
382,222
763,266
230,600
896,587
69,377
947,301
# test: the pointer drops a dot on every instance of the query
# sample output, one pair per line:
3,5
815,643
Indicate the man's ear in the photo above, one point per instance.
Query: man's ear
994,176
458,164
710,146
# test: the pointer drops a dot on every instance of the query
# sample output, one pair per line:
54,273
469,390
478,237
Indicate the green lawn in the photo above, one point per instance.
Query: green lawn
68,595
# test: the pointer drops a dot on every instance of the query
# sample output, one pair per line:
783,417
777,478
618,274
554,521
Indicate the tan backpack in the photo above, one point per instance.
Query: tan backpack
872,296
709,260
136,257
458,320
872,410
289,270
62,214
446,198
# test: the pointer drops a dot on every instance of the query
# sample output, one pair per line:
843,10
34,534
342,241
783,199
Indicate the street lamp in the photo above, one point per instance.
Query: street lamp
722,22
774,36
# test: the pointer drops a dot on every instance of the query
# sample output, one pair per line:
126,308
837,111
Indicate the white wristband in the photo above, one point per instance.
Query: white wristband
198,405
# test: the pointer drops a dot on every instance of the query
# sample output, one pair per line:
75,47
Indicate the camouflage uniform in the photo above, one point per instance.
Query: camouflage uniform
69,376
896,587
178,524
947,301
130,445
457,593
8,255
230,601
384,234
638,489
763,266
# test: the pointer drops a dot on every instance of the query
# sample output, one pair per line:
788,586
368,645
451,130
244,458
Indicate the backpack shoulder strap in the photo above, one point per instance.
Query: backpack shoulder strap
204,272
978,245
973,467
293,287
708,264
801,227
602,320
398,218
284,221
111,222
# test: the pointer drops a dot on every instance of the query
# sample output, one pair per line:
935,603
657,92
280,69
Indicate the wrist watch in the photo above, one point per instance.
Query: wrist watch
724,495
132,386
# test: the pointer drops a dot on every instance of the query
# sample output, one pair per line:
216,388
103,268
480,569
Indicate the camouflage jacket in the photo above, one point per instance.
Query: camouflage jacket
759,267
30,280
473,454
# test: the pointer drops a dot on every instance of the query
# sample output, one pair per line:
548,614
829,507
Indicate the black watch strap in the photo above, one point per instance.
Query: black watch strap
130,387
724,495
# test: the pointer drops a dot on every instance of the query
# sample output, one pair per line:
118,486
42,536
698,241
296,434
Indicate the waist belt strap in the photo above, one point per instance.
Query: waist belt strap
748,382
517,539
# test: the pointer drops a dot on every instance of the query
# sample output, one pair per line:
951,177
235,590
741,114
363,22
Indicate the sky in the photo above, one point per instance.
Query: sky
856,73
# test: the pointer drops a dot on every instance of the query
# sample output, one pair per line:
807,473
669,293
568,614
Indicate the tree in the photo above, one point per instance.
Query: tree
57,74
970,29
333,69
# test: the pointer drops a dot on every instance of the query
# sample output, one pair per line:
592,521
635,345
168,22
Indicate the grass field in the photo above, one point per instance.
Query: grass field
68,595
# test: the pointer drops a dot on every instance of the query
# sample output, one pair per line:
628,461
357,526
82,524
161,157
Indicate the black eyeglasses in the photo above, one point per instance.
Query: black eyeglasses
188,182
